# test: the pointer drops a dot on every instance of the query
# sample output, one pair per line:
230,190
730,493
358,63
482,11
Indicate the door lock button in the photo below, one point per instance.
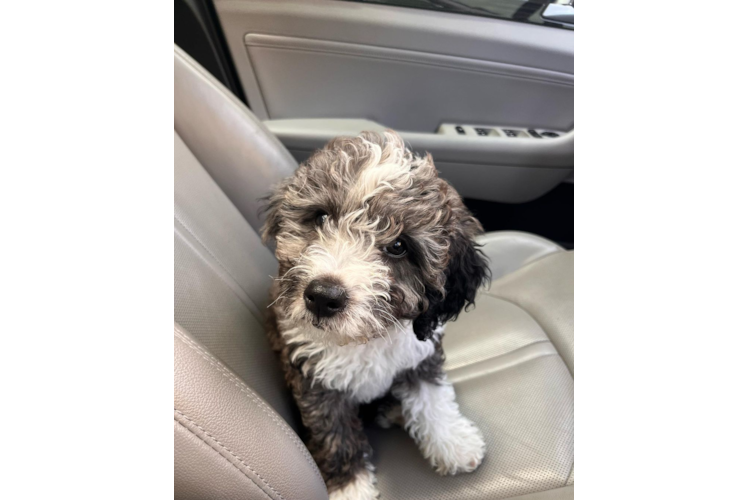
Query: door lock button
460,130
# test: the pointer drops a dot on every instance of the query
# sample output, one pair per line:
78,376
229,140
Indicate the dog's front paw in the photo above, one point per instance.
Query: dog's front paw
360,488
456,447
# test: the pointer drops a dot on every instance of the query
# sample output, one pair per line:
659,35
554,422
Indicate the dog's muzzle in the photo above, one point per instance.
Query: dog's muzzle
325,298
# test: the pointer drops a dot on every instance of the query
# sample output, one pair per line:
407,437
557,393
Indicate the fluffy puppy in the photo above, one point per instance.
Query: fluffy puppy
375,253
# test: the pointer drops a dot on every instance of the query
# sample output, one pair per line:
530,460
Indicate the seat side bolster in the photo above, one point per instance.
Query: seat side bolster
508,251
545,290
202,471
213,406
238,151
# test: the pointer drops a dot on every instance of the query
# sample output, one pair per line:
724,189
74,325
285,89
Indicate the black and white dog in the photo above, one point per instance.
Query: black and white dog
375,253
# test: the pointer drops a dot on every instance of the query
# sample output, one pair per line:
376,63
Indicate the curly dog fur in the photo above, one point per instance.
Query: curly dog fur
373,221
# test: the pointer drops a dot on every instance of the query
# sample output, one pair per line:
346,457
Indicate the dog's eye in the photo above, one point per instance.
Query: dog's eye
321,219
396,249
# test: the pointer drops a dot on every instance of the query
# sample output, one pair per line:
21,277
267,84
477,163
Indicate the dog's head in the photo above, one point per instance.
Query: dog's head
367,235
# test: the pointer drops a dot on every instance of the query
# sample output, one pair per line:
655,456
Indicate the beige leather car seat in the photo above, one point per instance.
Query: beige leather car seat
235,428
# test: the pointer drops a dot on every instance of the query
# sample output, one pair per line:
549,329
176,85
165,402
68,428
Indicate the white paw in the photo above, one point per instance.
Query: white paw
457,447
361,488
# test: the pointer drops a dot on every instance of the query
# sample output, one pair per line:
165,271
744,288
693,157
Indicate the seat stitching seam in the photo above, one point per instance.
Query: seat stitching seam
504,353
217,261
229,451
252,397
248,392
496,370
538,323
206,249
533,262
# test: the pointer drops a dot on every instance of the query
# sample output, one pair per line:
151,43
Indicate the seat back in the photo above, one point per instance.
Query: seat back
221,279
234,419
233,146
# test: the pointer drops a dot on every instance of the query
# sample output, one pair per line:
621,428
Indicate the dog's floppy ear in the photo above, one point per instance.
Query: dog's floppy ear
466,272
271,208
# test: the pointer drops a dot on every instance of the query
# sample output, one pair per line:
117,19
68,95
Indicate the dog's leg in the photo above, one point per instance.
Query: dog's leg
337,443
449,441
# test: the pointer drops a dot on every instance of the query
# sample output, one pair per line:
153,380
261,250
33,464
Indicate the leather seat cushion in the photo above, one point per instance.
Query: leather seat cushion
509,359
545,290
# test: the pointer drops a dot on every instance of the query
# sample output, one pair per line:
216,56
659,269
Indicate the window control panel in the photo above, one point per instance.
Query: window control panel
497,132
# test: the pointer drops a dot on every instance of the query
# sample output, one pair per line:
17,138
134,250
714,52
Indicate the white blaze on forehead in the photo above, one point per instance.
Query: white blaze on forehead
387,169
379,178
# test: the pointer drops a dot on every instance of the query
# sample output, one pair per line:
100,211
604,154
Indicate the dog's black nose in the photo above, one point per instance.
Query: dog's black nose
324,298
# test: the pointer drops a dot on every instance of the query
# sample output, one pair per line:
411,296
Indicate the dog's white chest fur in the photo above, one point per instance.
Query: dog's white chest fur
366,371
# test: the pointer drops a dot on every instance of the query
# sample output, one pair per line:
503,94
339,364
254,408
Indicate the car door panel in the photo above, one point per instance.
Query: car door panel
403,89
531,168
316,69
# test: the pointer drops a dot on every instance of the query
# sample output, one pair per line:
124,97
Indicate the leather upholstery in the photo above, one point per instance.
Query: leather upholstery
214,409
545,290
233,146
507,361
511,358
221,280
507,251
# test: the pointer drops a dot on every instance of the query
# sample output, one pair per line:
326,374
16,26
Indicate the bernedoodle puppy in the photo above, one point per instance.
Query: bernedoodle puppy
376,253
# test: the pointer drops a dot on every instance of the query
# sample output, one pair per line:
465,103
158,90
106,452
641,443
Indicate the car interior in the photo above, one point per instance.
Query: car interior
484,86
